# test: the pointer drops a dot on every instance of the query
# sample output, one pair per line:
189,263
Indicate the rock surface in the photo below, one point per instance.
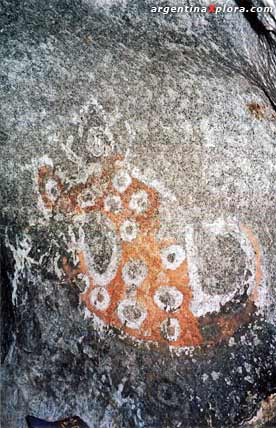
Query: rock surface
185,104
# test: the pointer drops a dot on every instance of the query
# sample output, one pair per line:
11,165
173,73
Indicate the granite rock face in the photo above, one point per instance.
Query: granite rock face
137,199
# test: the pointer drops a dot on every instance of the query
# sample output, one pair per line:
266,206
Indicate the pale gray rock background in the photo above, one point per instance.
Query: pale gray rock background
190,100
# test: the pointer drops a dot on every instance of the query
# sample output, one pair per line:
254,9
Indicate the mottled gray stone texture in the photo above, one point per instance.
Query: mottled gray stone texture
189,101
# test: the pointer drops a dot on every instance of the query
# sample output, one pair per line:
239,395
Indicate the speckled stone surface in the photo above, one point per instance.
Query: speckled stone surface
187,102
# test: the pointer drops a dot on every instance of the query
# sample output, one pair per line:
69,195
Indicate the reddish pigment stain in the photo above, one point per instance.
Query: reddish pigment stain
149,296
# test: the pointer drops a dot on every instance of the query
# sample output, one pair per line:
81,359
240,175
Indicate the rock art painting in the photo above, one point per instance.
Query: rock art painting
148,288
137,214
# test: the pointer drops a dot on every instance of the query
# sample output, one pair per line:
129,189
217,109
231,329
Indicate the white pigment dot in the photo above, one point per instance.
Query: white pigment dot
139,202
121,181
134,272
88,197
129,230
170,329
168,298
52,189
173,256
99,298
131,313
113,204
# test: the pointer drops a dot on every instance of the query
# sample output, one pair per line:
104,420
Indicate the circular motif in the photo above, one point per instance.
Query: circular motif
88,197
99,298
52,189
121,181
139,202
168,299
113,204
172,256
131,314
129,230
105,250
170,329
134,272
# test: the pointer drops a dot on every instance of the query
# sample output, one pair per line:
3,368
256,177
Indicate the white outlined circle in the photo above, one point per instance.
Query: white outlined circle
139,202
113,204
131,313
168,298
173,256
129,230
170,329
100,298
134,272
121,181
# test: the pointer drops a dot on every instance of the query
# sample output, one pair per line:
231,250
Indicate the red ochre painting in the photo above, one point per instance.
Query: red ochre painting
146,294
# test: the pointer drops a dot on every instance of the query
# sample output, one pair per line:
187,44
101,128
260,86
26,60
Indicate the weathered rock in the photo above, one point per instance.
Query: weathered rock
184,105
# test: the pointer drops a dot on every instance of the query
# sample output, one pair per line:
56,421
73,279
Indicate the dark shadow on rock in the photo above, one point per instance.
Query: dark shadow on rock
7,313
